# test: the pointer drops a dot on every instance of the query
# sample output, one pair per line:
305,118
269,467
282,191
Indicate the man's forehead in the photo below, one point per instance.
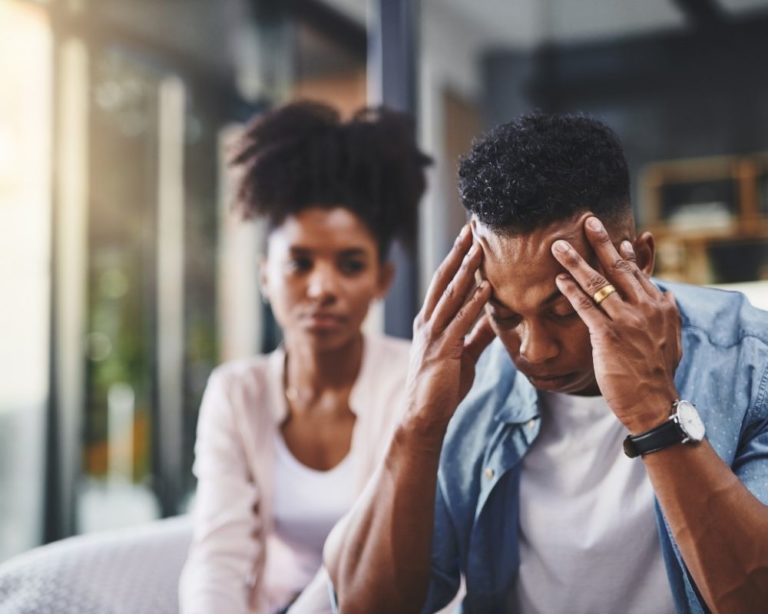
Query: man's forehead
529,248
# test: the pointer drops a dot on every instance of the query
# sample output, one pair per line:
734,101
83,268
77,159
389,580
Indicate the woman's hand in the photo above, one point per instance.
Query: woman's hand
447,337
635,331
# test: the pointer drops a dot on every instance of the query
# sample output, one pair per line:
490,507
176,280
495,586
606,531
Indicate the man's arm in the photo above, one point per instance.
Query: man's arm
719,525
379,560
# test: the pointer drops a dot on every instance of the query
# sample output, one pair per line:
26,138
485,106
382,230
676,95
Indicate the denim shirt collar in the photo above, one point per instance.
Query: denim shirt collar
521,405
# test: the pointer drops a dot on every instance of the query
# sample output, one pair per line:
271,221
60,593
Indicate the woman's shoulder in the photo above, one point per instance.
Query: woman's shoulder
243,368
384,348
248,386
384,372
246,380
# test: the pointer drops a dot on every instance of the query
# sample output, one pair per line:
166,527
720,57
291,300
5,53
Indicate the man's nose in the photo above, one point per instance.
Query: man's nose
537,345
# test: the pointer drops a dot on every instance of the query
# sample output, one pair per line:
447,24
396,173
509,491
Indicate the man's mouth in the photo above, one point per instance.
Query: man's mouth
549,380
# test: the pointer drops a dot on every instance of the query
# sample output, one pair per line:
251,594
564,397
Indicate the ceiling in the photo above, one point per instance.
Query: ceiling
527,23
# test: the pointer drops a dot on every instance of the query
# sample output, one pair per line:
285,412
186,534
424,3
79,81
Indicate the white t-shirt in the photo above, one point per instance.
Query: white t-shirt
307,504
588,536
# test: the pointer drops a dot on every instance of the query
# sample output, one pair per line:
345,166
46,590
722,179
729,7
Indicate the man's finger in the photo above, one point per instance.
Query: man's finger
590,282
457,290
467,315
619,271
628,253
587,309
594,285
479,339
446,271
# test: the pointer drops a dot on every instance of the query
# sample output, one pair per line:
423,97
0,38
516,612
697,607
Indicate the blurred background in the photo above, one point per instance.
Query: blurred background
125,279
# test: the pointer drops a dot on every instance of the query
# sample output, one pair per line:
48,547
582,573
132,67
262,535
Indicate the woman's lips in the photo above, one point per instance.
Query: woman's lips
324,321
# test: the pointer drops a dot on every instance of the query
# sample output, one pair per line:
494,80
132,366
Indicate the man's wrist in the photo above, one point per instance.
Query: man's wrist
652,413
422,430
684,426
650,420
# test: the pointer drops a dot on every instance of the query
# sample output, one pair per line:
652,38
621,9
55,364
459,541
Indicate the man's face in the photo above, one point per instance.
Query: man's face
544,336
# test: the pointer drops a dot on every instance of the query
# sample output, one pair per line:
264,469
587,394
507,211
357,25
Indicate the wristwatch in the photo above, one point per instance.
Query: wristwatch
683,426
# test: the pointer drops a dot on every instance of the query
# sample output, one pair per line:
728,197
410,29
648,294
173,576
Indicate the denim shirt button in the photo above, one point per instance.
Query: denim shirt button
489,473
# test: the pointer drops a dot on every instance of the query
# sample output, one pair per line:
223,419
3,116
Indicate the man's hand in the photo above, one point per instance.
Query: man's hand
445,345
717,523
635,331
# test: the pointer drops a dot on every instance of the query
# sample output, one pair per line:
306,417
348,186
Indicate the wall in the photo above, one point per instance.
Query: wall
668,95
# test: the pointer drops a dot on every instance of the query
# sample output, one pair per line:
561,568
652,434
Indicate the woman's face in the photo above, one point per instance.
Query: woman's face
321,274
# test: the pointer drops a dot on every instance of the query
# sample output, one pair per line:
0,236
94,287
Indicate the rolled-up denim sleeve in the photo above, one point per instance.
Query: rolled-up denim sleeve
751,463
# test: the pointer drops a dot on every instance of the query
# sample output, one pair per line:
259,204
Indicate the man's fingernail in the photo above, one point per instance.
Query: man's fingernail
594,224
627,248
561,246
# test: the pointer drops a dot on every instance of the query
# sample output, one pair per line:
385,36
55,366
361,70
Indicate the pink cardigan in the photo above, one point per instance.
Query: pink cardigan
240,415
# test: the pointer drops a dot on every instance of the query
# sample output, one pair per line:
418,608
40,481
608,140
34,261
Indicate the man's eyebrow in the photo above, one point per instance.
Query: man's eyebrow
555,295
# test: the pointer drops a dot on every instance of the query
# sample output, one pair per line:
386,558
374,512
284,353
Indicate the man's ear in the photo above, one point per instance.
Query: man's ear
386,277
645,251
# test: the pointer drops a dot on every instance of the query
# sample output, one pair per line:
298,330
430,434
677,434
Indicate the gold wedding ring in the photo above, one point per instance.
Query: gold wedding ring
603,293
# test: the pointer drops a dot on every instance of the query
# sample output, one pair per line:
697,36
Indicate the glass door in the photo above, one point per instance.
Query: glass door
151,287
25,255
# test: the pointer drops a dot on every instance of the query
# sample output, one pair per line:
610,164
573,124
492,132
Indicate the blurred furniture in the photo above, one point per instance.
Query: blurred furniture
130,571
709,217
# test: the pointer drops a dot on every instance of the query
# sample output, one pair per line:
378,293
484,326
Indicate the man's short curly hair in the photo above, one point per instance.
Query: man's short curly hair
303,155
541,169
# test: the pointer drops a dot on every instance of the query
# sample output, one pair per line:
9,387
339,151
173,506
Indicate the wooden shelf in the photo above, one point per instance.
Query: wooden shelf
704,213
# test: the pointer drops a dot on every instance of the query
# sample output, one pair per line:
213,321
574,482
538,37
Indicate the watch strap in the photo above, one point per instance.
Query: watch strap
667,434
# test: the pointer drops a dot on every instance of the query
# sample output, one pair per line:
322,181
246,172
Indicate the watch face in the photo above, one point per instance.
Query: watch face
690,421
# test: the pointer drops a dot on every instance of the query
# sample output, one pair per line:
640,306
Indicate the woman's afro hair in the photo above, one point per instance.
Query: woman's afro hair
303,155
541,169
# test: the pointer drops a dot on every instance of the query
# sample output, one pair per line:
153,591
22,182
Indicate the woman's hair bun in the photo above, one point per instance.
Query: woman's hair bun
303,155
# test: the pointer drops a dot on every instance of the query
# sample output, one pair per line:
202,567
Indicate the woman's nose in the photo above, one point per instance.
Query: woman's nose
322,283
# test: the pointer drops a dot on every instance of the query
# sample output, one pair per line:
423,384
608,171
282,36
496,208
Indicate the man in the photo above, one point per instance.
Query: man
532,491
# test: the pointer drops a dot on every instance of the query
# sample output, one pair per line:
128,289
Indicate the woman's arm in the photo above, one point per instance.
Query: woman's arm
222,563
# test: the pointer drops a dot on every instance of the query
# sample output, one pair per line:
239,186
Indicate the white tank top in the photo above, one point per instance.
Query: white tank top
307,504
588,537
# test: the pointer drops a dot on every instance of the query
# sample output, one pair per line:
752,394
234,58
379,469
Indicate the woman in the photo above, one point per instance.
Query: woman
286,441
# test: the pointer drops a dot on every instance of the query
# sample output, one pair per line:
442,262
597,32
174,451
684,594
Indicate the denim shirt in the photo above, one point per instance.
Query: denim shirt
723,371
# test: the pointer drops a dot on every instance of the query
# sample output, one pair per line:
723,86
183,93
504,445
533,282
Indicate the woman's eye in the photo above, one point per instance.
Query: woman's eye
351,267
299,264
